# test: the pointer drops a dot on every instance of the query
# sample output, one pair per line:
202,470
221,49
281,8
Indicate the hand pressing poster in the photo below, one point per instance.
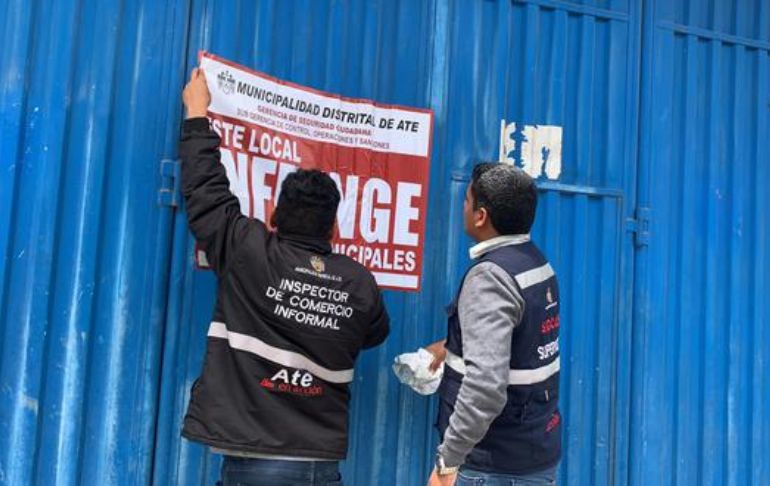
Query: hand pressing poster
377,154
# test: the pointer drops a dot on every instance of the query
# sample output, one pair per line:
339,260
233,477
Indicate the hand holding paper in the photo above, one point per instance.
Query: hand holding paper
415,370
196,95
438,350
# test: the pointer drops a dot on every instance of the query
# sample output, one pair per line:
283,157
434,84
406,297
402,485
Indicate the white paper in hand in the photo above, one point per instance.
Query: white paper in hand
413,369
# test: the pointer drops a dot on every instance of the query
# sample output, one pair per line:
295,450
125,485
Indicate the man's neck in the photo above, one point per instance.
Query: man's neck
485,235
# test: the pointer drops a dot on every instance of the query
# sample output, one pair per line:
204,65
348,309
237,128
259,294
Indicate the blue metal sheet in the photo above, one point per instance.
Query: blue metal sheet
86,119
560,64
455,57
664,110
745,21
702,386
361,49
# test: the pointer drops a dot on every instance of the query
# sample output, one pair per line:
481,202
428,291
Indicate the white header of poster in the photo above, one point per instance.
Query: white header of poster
316,116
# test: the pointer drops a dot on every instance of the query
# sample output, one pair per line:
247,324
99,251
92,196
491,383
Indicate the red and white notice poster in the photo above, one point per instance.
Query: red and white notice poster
378,155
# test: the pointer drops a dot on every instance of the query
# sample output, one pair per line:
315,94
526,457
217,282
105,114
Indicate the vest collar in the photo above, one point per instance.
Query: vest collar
479,249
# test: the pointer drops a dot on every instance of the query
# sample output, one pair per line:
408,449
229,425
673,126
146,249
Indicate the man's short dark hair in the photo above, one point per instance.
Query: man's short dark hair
508,194
307,205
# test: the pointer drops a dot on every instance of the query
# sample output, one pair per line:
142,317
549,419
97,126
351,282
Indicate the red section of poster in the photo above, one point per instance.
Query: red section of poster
378,155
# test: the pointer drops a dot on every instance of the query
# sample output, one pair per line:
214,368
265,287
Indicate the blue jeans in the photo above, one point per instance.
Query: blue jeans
470,477
238,471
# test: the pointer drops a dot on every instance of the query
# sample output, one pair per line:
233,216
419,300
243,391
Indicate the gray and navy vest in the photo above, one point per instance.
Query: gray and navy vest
526,436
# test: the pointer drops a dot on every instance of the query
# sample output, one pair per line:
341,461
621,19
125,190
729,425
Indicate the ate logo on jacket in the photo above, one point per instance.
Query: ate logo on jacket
297,383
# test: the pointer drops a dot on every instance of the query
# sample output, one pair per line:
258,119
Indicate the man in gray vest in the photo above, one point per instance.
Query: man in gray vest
498,408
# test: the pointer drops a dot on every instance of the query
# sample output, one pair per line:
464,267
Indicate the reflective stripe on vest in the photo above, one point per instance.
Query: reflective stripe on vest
515,377
283,357
534,276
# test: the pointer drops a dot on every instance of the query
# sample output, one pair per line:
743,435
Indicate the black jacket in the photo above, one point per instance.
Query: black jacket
290,320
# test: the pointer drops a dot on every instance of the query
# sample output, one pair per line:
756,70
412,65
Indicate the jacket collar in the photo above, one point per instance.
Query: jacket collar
318,245
479,249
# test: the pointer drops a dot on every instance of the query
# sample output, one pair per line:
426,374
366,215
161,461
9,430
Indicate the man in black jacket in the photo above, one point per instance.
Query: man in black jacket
289,322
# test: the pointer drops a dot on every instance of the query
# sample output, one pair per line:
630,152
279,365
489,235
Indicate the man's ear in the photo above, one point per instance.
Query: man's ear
480,217
333,230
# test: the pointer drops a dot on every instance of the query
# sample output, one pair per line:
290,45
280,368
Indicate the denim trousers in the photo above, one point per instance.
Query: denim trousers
470,477
238,471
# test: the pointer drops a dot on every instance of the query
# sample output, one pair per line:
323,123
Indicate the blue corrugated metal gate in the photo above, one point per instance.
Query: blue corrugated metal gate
657,225
89,100
702,323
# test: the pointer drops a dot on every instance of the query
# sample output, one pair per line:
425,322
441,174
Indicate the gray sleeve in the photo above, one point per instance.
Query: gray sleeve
490,306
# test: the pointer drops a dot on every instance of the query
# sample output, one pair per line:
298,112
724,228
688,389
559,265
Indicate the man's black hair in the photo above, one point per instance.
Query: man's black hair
307,205
508,194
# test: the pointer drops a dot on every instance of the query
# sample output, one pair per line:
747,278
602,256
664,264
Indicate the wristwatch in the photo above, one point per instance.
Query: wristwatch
442,469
